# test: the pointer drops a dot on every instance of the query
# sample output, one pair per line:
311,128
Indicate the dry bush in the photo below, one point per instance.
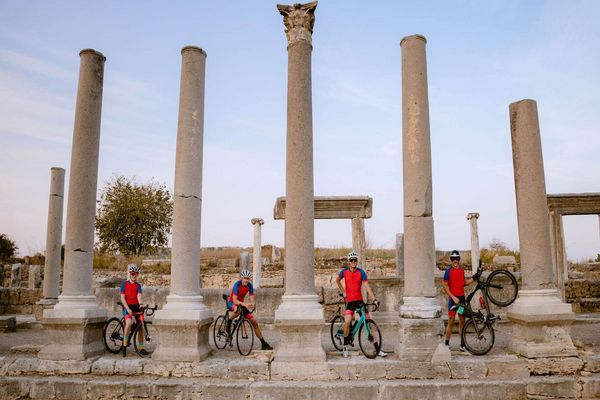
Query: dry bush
384,254
221,252
328,253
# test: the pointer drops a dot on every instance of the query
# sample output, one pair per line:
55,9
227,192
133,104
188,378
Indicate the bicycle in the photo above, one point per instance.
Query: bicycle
114,330
369,335
501,289
240,326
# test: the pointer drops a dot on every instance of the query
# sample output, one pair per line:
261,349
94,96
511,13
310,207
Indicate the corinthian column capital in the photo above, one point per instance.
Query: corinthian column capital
299,20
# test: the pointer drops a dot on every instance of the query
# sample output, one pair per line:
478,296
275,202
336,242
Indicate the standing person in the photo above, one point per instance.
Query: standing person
454,286
131,297
237,305
353,277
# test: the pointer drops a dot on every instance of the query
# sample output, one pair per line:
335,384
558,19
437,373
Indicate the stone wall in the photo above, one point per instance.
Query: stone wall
19,300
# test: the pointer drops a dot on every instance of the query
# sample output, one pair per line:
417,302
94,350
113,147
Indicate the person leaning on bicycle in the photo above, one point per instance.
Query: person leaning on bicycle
454,286
353,277
237,305
131,297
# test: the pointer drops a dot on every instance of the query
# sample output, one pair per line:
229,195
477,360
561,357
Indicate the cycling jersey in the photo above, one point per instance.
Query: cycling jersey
241,291
455,277
131,290
353,282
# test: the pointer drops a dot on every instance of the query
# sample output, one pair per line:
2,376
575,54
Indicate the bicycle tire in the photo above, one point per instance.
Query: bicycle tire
220,332
478,344
244,337
370,341
502,288
337,325
112,335
150,339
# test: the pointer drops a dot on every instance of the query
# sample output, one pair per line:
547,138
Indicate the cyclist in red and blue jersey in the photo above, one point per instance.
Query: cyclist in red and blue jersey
454,286
353,277
131,297
237,305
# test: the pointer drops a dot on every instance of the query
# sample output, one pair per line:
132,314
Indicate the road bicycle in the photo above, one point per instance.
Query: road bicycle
114,330
240,327
369,335
501,289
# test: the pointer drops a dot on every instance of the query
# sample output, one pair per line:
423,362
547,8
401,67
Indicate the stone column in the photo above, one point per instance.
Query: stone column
244,261
475,255
257,253
299,317
400,255
359,242
53,238
184,321
541,319
15,275
557,245
420,323
75,323
35,278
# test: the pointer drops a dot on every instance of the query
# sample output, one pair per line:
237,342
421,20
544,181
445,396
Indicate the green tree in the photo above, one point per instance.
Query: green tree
8,247
133,218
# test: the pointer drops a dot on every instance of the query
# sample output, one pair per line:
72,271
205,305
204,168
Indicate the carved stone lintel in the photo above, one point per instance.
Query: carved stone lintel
472,215
259,221
299,20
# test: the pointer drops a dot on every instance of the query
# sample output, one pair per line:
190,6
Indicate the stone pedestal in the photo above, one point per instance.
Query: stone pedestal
541,319
184,321
74,325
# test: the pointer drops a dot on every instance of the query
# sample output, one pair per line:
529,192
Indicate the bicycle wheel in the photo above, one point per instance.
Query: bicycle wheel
502,288
477,336
220,332
369,339
337,332
245,337
145,336
112,335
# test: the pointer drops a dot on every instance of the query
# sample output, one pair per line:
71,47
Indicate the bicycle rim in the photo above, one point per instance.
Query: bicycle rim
502,288
145,337
369,339
220,332
478,336
112,335
245,337
337,332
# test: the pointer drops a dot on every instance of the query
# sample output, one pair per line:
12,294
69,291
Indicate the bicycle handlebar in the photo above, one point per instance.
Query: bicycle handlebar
146,309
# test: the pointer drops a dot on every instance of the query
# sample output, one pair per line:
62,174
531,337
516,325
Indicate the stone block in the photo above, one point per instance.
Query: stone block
171,389
231,390
418,370
248,369
467,369
555,365
227,263
158,368
182,339
419,338
137,390
503,261
591,387
182,369
72,338
506,367
35,276
42,389
276,282
129,367
301,371
15,275
592,362
211,368
51,367
313,390
8,324
554,387
12,388
105,389
70,390
22,365
103,366
453,390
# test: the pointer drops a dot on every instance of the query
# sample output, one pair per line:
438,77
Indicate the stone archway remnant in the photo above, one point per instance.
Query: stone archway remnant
184,321
74,325
558,206
354,208
257,253
541,319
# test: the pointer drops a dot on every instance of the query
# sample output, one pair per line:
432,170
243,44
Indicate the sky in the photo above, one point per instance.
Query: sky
481,56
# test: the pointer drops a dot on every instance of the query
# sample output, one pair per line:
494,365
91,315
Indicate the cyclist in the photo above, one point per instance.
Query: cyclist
131,297
454,286
353,277
237,305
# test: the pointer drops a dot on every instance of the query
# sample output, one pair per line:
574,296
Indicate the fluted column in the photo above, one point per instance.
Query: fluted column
541,319
299,317
54,237
419,312
475,252
183,322
257,253
77,311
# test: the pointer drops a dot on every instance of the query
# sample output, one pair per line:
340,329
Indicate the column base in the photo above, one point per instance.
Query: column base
74,327
421,329
299,319
541,324
183,329
43,304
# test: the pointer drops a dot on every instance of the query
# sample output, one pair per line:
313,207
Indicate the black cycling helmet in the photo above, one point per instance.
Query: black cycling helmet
454,255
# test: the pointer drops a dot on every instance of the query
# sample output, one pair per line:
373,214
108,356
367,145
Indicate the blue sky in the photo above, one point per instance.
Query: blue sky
481,57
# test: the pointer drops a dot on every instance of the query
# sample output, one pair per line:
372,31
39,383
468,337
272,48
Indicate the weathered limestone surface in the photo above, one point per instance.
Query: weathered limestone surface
54,236
74,325
541,319
256,254
400,254
35,276
183,322
472,218
332,207
15,275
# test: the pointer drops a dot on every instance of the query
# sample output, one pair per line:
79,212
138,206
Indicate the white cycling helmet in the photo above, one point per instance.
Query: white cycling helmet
455,255
352,255
133,268
246,274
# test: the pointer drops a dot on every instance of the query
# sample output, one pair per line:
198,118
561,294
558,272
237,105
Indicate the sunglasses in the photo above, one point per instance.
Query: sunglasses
133,273
353,260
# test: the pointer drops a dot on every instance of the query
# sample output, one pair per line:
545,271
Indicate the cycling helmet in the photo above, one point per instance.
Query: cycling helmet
352,255
246,274
133,268
454,255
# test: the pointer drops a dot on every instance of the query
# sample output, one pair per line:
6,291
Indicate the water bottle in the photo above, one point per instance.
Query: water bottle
482,302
